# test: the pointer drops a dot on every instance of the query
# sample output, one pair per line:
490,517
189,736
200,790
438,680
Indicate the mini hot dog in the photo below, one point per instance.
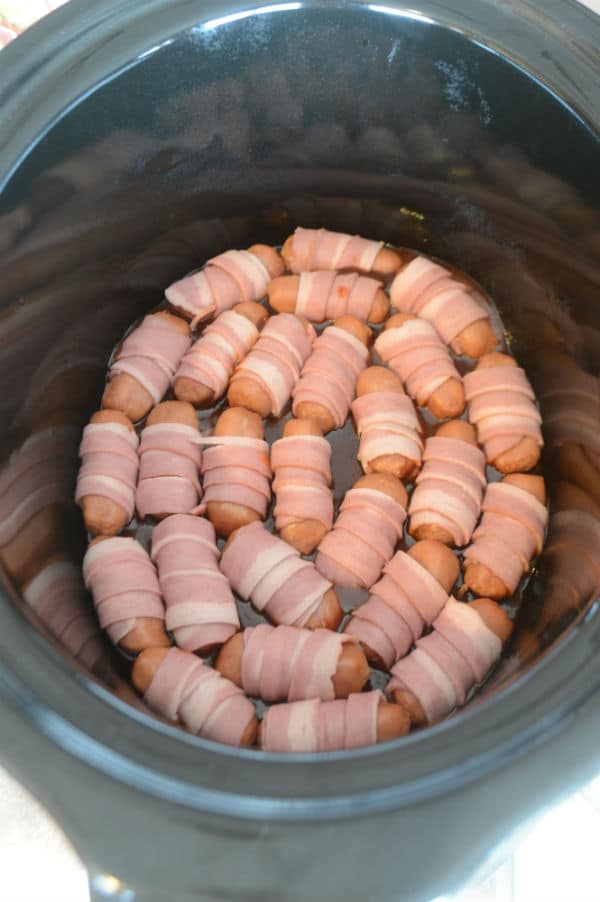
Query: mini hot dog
179,686
310,249
328,295
264,380
124,586
170,459
301,462
367,529
406,600
203,375
226,280
511,532
327,383
387,423
143,369
285,663
446,501
287,589
412,348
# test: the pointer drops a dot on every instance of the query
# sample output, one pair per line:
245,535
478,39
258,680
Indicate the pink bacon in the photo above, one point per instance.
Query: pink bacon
170,460
302,468
123,583
511,532
266,570
209,705
329,375
201,610
151,353
449,662
363,538
428,290
213,357
285,663
327,295
416,353
225,280
109,464
322,726
387,423
401,605
502,407
321,249
449,487
236,470
277,358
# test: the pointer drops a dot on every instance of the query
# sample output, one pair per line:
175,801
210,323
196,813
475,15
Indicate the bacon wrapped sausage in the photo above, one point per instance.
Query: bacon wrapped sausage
108,473
387,423
407,599
226,280
170,459
287,589
285,663
511,532
315,726
310,249
327,382
301,462
439,674
145,364
368,528
204,373
428,290
201,611
502,407
413,349
236,471
328,295
124,586
264,380
177,685
446,501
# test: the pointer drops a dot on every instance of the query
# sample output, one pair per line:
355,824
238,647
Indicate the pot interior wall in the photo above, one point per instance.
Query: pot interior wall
237,131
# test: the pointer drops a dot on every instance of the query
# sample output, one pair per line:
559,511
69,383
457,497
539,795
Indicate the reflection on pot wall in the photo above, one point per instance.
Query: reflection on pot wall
112,207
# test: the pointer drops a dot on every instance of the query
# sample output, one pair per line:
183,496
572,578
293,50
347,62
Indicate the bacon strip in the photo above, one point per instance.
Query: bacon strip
363,538
447,663
285,663
225,280
213,357
123,583
385,622
302,468
416,353
387,423
511,532
322,726
169,463
208,704
321,249
502,407
269,572
201,610
327,295
109,464
429,291
276,359
151,354
329,375
449,487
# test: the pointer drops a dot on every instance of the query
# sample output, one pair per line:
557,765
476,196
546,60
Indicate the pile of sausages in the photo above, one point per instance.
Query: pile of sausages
333,326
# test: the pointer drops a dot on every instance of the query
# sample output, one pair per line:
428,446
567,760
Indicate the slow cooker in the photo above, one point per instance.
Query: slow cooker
137,141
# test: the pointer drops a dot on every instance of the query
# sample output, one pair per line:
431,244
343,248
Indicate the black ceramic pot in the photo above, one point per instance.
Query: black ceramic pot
139,139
